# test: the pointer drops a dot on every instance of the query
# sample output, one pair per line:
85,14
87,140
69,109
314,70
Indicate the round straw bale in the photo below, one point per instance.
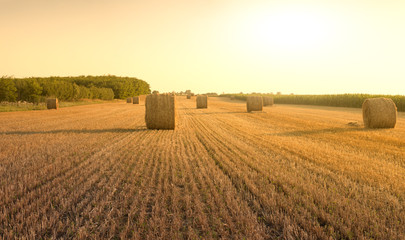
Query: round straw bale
268,101
142,97
379,113
129,100
202,101
52,103
160,111
135,100
188,96
254,103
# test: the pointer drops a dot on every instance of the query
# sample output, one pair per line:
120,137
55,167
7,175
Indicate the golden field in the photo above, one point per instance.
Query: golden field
291,172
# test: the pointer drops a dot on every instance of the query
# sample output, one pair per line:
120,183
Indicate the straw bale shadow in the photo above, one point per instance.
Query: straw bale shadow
214,113
95,131
322,131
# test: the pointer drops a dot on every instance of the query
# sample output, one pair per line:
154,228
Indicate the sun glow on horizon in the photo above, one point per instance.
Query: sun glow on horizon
289,30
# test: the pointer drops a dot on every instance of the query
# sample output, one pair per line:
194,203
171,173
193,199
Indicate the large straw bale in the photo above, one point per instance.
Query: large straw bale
189,96
160,111
254,103
202,101
379,113
135,100
268,101
129,100
52,103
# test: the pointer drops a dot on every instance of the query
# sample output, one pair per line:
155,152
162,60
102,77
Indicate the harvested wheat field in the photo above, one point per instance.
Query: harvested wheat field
291,172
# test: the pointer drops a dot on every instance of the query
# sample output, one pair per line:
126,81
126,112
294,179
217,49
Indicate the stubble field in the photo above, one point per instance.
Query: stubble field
289,172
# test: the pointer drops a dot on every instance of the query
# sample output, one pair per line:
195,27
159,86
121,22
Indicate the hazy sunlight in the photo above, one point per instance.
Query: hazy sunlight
292,30
304,47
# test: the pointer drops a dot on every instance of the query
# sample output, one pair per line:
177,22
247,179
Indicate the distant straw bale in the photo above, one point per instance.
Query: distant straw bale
254,103
202,101
52,103
135,100
379,113
268,101
142,98
188,96
160,111
129,100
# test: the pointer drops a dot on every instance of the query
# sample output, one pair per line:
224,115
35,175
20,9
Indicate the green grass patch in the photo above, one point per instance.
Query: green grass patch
16,107
80,103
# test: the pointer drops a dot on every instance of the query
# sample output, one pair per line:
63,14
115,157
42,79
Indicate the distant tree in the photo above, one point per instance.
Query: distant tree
34,91
74,88
8,91
211,94
59,89
76,91
29,90
85,93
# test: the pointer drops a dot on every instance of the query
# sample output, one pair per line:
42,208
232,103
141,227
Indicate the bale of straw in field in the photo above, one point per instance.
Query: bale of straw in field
188,96
52,103
129,100
160,111
202,101
268,101
142,98
254,103
379,113
135,100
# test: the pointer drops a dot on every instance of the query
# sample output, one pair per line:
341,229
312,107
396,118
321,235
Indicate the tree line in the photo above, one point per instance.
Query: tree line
333,100
36,89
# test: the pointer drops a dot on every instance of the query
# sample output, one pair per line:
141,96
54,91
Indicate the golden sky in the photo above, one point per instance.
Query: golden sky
292,46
